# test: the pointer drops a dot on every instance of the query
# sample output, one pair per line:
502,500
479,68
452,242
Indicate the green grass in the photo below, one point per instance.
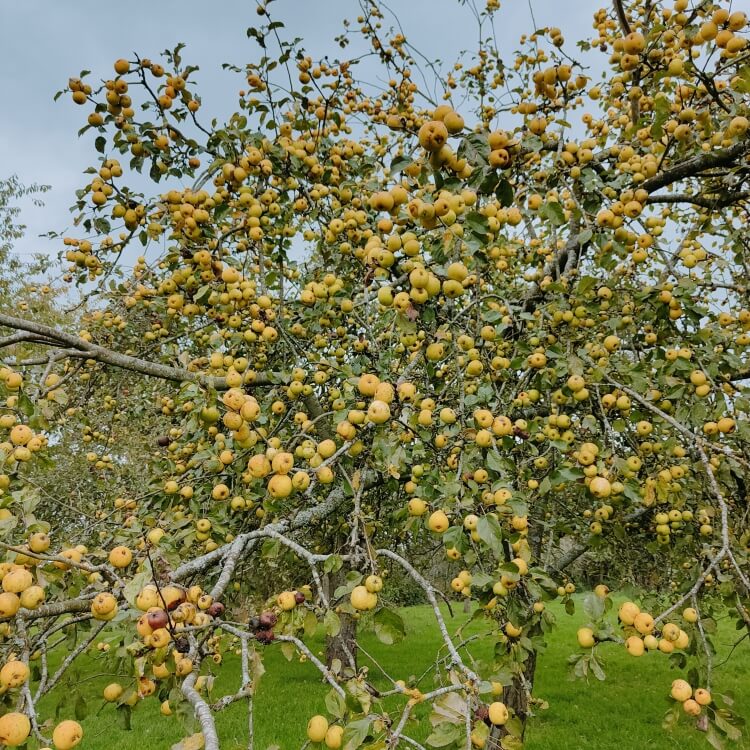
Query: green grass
625,711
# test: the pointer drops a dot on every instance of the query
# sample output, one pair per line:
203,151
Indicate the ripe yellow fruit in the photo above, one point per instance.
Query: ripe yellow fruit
317,728
681,690
691,707
628,612
644,623
601,590
32,597
435,351
702,696
683,640
611,343
362,599
112,692
104,606
120,557
374,584
665,646
635,646
537,360
147,598
17,580
368,384
498,713
600,487
511,630
14,729
670,631
9,604
286,600
14,673
67,734
417,507
334,737
453,122
576,383
433,135
586,638
280,486
39,542
438,522
690,615
379,412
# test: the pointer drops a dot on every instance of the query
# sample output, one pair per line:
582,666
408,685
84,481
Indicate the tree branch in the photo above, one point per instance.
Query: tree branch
721,200
696,165
75,346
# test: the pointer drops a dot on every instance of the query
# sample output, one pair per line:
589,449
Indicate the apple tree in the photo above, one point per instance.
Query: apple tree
501,306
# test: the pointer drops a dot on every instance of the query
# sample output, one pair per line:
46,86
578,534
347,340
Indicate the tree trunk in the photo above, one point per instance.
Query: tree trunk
342,647
516,698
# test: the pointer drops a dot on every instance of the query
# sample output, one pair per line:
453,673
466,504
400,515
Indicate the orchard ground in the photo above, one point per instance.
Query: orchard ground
625,711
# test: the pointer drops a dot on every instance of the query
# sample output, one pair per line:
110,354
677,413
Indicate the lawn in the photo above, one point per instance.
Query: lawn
625,711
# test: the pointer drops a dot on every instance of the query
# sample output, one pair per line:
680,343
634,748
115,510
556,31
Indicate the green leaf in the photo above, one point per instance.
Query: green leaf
445,734
553,212
288,650
596,668
335,704
25,405
477,222
586,283
123,714
495,462
514,727
491,534
332,564
399,163
662,109
389,626
310,623
332,623
79,710
504,193
134,586
475,148
593,605
355,733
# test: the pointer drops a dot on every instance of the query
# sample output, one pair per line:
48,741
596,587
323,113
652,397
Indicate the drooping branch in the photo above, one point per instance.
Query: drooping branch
429,590
75,346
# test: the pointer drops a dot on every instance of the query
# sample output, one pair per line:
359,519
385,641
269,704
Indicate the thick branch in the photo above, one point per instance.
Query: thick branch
81,347
202,712
720,200
231,552
696,165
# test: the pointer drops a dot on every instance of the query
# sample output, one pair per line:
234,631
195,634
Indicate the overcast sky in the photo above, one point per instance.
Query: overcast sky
43,42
